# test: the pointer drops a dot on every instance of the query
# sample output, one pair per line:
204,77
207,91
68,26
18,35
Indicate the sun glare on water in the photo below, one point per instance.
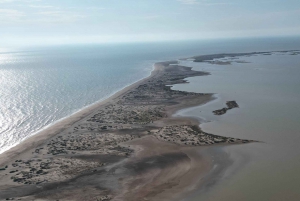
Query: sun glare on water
5,58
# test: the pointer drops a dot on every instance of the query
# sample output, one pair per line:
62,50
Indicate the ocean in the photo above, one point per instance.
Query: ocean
42,85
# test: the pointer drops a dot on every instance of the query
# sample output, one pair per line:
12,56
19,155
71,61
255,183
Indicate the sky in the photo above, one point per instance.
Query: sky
39,22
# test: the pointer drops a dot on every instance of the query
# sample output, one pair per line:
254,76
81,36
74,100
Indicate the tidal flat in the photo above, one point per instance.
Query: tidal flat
126,148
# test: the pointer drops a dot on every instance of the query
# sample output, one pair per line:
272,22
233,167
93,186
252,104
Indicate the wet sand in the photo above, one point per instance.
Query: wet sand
128,147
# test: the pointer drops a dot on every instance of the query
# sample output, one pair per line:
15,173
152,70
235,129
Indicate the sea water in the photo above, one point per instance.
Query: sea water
40,86
267,89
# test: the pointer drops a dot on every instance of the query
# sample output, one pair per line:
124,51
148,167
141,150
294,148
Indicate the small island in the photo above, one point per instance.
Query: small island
230,105
114,145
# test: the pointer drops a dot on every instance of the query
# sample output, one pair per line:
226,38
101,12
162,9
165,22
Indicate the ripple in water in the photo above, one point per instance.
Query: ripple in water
39,87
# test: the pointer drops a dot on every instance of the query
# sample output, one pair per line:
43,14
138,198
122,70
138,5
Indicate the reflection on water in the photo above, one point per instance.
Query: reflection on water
39,86
268,92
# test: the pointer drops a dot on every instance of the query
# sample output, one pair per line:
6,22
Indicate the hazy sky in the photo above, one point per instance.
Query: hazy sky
81,21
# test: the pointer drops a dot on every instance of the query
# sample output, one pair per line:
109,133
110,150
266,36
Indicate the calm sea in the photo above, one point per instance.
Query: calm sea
39,86
267,88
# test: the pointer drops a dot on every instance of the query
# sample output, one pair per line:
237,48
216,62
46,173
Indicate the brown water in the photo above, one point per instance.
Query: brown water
268,92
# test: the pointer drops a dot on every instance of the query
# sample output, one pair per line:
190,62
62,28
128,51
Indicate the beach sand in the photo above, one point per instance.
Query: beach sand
128,147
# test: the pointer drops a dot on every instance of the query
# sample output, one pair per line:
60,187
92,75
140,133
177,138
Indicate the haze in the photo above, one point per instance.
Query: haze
42,22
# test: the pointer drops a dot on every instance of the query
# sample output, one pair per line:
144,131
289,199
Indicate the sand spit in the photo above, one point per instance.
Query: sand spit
126,148
229,58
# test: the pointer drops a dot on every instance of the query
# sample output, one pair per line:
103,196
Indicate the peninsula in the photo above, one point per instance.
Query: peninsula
128,147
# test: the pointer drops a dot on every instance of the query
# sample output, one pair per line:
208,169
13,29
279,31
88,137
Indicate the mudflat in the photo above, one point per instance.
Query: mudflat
128,147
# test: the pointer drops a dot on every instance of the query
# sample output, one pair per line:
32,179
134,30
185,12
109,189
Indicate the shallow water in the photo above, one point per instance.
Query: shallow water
268,92
39,86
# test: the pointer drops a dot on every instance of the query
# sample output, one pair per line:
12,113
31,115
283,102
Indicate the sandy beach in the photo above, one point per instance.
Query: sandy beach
186,100
128,147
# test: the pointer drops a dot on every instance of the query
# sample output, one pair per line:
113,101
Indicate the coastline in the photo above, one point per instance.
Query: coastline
65,122
61,124
135,148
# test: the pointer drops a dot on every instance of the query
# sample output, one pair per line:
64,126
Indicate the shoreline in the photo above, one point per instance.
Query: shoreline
115,135
63,123
72,118
85,109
